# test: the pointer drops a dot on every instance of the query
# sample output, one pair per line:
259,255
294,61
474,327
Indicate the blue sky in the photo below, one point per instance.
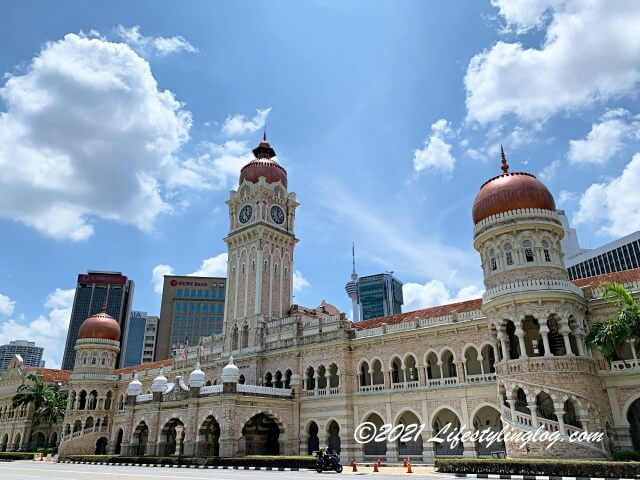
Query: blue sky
123,127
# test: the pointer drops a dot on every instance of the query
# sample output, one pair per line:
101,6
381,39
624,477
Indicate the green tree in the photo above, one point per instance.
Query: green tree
611,335
49,402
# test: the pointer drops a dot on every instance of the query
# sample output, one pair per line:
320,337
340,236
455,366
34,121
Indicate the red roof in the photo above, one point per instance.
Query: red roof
49,375
626,276
145,366
431,312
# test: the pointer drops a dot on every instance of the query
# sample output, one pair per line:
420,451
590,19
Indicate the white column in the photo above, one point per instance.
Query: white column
520,334
258,295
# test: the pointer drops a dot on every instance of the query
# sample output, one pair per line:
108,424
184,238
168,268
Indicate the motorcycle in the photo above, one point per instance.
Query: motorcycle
326,463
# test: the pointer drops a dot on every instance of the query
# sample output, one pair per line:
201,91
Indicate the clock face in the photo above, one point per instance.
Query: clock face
277,215
245,214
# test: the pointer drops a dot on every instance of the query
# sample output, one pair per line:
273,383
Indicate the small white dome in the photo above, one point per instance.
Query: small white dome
159,383
196,379
230,373
135,387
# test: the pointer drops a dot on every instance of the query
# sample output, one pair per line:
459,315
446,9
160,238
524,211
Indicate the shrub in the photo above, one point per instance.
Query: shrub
550,467
627,456
274,462
11,456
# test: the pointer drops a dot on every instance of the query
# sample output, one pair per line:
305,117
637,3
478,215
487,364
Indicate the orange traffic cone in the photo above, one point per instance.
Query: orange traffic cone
409,467
375,467
404,463
353,464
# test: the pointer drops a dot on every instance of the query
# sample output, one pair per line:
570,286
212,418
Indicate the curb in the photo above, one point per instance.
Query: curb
528,477
214,467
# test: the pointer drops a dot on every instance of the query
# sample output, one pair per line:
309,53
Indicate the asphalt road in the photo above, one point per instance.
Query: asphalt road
64,471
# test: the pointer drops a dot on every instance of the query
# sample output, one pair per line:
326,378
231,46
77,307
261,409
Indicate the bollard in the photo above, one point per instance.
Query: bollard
404,463
353,464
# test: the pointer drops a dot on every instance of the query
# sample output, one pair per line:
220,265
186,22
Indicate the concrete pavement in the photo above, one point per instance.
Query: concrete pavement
30,470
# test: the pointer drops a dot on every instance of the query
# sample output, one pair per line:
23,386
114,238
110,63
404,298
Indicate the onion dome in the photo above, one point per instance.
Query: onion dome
264,165
230,373
196,379
135,387
100,325
159,383
511,191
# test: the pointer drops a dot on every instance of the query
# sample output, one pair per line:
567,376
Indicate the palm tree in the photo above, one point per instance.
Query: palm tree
49,402
611,335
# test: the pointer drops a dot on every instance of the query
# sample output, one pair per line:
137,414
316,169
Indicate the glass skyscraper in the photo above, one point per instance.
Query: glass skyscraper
135,339
191,307
379,295
92,290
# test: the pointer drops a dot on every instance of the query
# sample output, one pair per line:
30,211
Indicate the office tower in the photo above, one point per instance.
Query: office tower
92,291
30,353
191,307
380,295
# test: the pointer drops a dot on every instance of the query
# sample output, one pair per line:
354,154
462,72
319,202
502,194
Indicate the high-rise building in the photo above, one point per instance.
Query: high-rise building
92,291
150,337
135,339
191,307
30,353
380,295
621,254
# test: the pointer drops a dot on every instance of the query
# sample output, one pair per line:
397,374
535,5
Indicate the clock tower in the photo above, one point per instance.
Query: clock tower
260,247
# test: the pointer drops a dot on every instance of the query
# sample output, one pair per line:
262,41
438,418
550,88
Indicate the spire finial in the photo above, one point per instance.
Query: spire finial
104,307
505,166
264,132
353,256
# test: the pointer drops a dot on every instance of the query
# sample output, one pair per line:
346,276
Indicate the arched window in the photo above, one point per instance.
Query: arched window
508,253
528,251
492,259
234,339
547,255
245,336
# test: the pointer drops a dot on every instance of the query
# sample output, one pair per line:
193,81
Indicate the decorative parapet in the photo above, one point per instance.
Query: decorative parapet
258,390
531,286
420,323
211,389
93,376
519,214
547,364
145,397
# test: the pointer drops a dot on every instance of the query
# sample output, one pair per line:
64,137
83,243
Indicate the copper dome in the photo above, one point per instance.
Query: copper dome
511,191
100,325
264,166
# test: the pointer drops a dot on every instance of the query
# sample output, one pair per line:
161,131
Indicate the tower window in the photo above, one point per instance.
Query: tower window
528,251
547,255
508,253
492,259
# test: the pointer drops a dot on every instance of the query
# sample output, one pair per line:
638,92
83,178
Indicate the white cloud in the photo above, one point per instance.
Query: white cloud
436,154
565,197
605,138
590,53
6,305
157,276
48,331
87,134
434,293
299,282
213,267
159,46
613,205
219,164
549,172
210,267
236,125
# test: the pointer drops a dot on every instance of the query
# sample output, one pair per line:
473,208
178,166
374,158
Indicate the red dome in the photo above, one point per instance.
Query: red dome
264,166
100,325
511,191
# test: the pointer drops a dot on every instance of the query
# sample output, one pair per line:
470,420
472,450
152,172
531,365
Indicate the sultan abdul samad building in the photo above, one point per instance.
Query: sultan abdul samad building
305,377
